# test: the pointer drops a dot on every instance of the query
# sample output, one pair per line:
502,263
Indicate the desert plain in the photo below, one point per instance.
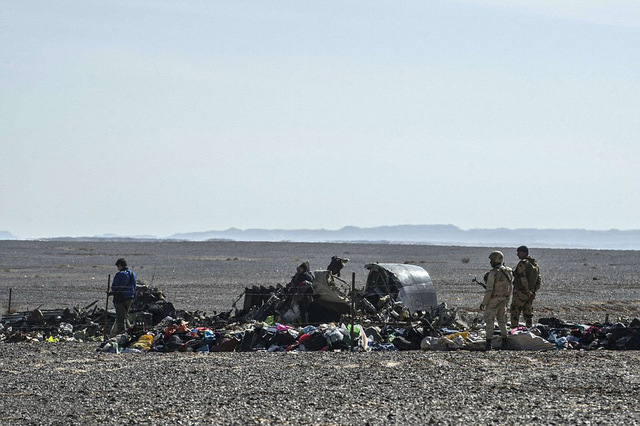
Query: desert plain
72,383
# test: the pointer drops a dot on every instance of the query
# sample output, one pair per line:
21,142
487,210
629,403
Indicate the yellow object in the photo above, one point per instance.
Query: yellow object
143,343
146,337
463,334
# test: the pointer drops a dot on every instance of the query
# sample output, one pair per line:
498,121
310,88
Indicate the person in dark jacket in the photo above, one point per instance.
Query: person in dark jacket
301,288
123,290
336,265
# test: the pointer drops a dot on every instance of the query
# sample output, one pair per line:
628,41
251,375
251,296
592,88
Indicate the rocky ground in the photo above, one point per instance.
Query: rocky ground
71,383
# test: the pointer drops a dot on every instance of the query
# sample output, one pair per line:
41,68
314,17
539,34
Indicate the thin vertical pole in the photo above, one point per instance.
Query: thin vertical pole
9,309
353,308
106,307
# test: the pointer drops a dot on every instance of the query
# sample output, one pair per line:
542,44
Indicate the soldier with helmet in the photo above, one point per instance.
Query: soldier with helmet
525,285
496,297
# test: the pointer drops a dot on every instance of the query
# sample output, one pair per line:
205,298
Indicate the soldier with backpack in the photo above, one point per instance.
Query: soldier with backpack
526,283
496,297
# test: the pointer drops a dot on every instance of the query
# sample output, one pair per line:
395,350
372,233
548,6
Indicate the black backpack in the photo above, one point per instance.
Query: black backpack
316,341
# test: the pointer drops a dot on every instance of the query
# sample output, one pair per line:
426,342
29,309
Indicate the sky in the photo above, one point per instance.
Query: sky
155,118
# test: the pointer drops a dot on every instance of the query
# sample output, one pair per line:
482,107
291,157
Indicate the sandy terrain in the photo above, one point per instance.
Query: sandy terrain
578,285
73,384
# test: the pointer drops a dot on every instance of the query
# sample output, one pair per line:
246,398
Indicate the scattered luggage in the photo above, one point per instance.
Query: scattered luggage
396,311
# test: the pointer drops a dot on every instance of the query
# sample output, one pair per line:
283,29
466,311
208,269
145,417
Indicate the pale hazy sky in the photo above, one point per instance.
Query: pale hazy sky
153,117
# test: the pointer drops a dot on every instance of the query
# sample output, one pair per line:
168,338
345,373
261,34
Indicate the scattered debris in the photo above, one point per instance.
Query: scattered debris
397,310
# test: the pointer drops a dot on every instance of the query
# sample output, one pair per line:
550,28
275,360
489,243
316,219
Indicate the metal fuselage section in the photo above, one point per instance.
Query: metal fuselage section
410,284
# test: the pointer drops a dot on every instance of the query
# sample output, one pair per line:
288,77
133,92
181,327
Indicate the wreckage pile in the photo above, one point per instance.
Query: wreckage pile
258,326
89,323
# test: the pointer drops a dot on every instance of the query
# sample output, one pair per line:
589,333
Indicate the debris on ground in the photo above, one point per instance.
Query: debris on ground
396,311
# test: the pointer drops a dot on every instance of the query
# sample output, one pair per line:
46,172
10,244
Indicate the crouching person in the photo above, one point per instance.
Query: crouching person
496,297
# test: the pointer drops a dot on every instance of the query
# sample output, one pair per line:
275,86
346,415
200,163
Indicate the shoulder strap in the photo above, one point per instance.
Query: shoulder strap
506,275
130,273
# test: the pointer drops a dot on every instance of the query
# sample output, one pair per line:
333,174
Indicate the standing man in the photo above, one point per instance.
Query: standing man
123,290
496,298
301,288
525,285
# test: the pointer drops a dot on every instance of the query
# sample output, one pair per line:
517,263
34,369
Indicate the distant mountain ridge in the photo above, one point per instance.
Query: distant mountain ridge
612,239
6,235
435,234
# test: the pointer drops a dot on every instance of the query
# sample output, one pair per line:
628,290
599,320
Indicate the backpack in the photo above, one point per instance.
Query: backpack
316,341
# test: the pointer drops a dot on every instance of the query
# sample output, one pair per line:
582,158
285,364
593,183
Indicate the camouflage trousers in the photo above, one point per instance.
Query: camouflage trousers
496,310
521,303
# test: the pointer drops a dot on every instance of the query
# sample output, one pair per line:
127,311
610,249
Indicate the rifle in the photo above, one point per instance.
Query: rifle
483,285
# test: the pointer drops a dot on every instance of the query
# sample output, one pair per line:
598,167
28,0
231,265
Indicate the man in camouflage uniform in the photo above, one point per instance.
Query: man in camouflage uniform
525,285
496,297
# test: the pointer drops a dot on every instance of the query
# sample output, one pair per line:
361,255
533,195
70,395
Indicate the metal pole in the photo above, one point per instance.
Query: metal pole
9,309
106,307
353,308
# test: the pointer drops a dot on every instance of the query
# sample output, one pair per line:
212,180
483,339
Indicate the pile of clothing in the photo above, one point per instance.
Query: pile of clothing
547,334
621,335
177,335
160,327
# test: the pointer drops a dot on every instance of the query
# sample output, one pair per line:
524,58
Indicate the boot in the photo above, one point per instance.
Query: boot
529,323
505,344
487,345
514,322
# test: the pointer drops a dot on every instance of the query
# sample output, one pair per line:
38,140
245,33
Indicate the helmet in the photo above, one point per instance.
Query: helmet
496,257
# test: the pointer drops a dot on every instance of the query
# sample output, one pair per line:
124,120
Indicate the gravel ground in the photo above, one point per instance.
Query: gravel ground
71,383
